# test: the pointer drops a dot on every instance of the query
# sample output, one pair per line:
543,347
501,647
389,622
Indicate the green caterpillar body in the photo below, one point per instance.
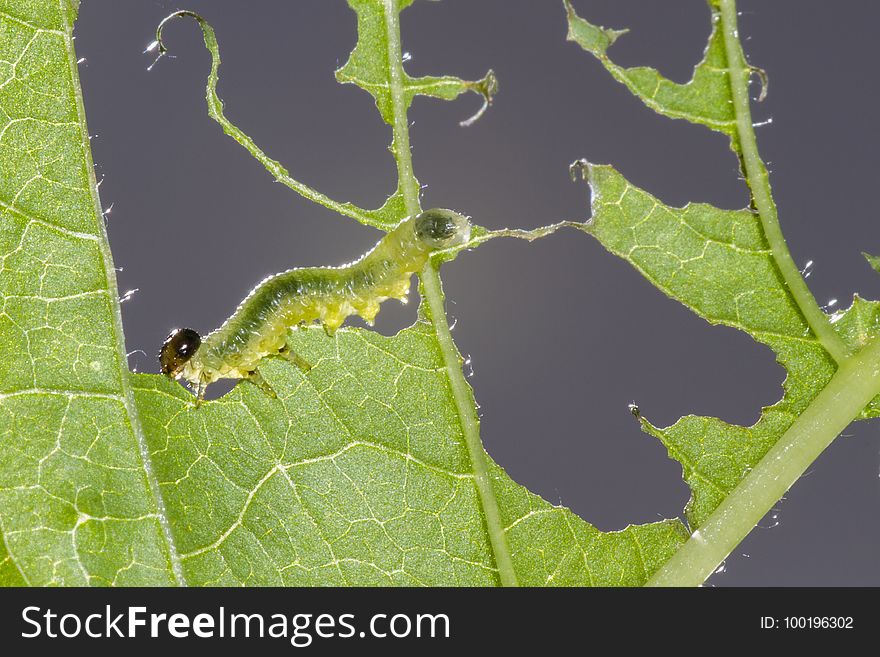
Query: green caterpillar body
258,327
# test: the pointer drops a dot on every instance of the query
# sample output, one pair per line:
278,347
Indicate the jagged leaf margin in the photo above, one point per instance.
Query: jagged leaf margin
366,67
358,474
336,481
718,263
705,99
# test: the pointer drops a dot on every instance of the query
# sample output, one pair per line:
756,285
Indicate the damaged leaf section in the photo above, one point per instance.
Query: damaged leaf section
216,112
373,67
873,260
705,100
368,67
717,263
358,474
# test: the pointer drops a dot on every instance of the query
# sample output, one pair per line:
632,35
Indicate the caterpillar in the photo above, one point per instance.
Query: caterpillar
258,327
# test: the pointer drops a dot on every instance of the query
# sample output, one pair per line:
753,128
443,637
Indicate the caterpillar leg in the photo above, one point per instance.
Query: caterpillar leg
257,379
199,390
295,358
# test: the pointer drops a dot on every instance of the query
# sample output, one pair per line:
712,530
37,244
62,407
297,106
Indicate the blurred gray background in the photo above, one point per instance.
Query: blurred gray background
561,334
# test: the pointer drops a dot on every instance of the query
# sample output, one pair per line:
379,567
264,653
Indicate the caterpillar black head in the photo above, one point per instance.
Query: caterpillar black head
178,348
442,229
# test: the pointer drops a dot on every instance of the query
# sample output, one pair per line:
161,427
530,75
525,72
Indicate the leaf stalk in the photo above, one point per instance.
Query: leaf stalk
853,386
433,294
758,180
174,560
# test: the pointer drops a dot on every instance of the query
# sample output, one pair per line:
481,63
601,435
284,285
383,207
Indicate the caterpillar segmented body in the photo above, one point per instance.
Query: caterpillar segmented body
258,327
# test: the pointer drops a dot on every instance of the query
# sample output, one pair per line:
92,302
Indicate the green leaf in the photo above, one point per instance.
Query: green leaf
359,474
733,268
874,261
367,469
369,68
10,571
705,100
718,263
76,502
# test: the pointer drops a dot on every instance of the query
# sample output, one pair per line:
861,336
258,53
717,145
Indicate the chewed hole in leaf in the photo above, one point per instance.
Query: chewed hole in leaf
649,45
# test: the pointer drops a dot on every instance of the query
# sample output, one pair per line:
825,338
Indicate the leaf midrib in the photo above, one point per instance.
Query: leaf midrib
127,399
434,298
757,178
784,463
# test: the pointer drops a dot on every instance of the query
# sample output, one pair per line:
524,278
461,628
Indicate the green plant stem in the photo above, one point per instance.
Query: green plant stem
408,184
855,383
470,426
759,182
852,387
113,292
430,278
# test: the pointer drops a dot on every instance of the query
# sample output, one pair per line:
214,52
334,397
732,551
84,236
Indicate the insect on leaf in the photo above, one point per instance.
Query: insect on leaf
358,474
359,470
